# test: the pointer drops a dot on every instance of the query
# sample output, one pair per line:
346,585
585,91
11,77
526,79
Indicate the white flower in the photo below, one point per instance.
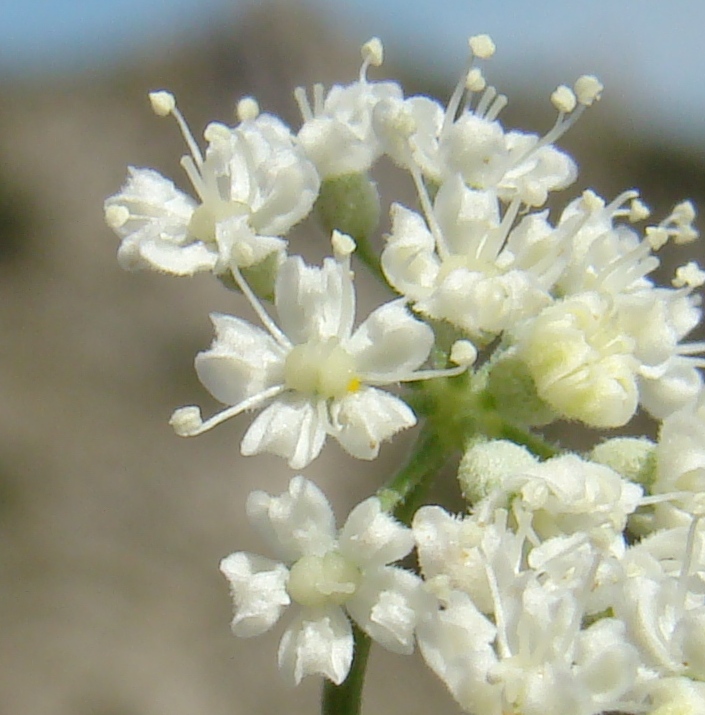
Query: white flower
530,653
321,375
465,266
437,142
253,185
612,260
662,602
564,495
337,133
325,574
581,361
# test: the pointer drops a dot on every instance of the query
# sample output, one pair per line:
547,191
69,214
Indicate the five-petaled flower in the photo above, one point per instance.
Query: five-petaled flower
320,376
329,575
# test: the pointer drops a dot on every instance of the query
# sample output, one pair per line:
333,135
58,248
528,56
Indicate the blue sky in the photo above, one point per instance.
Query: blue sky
650,54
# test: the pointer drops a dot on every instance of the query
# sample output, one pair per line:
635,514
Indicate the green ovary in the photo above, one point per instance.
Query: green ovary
321,369
317,581
206,216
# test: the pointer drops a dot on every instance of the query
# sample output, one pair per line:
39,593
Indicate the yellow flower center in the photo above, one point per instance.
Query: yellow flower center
321,369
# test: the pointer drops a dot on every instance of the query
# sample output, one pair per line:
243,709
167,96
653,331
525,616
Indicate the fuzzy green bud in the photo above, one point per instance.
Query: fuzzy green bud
485,464
349,203
514,392
632,457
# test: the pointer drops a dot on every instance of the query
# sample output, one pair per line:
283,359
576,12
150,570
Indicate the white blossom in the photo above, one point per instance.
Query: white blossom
337,133
465,138
529,652
319,375
466,267
662,601
326,576
582,363
253,184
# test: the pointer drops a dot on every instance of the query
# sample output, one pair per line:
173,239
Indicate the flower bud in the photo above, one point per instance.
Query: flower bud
349,204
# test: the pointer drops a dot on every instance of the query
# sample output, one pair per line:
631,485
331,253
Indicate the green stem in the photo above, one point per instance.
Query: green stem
427,458
533,442
346,698
368,256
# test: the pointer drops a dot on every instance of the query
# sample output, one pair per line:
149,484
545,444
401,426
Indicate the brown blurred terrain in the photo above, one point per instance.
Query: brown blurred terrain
111,528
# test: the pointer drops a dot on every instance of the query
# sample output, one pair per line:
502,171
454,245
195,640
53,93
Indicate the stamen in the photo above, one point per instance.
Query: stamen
194,176
687,562
588,89
262,314
690,275
116,216
638,211
491,244
456,97
247,109
475,80
463,353
500,620
482,46
564,99
302,101
371,378
497,106
489,94
318,98
425,201
372,54
187,421
163,104
613,208
343,245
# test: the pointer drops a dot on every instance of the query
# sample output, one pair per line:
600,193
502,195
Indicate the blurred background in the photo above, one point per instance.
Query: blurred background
111,528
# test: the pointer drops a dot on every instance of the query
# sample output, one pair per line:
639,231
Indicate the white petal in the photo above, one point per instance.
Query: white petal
679,384
456,644
408,260
390,344
153,224
372,537
314,303
290,427
291,196
169,257
388,605
468,219
151,200
240,244
258,588
317,644
242,361
364,419
296,523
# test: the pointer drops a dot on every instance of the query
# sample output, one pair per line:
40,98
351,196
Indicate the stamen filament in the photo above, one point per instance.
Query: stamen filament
262,314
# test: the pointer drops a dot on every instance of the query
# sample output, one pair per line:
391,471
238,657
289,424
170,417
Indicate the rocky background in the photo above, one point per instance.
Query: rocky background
111,527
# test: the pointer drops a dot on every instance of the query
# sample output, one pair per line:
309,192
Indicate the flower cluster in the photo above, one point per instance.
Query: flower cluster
571,582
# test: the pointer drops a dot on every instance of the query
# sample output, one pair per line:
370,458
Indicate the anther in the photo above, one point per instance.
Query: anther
247,109
163,102
588,89
474,81
186,421
463,353
482,46
564,99
373,52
